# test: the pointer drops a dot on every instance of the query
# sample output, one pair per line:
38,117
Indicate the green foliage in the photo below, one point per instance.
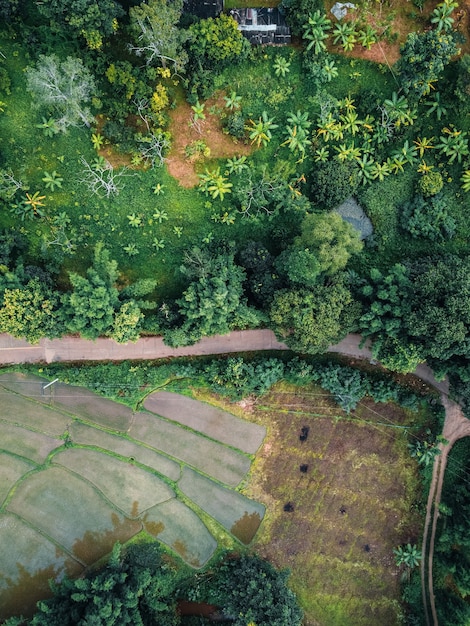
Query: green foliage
250,590
217,40
423,58
30,311
407,555
311,320
428,217
332,183
133,588
85,18
213,303
156,36
430,183
324,246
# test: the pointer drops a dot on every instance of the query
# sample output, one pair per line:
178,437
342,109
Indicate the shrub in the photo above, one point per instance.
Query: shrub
430,184
332,183
428,217
234,124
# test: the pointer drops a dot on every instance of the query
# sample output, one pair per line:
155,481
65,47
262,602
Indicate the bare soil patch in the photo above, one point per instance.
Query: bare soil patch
183,134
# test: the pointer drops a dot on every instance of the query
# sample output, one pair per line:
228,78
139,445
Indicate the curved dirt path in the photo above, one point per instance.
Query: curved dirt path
456,426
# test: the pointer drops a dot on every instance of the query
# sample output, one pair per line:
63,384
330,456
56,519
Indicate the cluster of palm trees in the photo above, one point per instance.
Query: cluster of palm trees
346,34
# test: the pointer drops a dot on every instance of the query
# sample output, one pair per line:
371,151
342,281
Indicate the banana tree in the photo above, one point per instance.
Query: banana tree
345,34
453,144
315,31
441,16
260,130
215,184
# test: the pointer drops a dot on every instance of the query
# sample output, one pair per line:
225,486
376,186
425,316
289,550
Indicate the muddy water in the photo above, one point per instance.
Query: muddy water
245,528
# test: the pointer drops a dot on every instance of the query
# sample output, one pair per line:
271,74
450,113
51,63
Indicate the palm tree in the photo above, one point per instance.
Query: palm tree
300,120
351,122
345,33
366,168
260,131
35,201
399,111
297,140
466,180
236,165
215,184
315,31
52,180
407,152
381,170
367,37
407,555
330,70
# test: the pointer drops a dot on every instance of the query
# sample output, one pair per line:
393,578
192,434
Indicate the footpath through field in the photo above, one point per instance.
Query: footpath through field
456,426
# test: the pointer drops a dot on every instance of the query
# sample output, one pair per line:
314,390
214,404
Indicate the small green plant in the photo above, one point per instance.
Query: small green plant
407,555
160,216
158,244
97,141
232,101
35,201
134,220
131,249
48,126
178,231
158,190
281,66
52,180
260,131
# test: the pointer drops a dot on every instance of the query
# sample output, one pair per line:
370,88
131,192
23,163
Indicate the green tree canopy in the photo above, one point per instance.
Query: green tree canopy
311,320
251,591
155,32
423,58
213,303
324,247
87,18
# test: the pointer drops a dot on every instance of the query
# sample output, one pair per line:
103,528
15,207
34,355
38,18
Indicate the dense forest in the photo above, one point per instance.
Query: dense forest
341,204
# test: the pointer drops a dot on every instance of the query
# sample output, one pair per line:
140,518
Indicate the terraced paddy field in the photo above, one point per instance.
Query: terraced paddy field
79,472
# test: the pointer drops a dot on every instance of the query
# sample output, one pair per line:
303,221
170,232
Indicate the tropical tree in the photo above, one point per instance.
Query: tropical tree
345,33
232,101
155,32
66,87
399,110
466,180
316,31
423,144
423,58
52,180
236,165
367,37
260,131
407,555
435,106
84,18
281,66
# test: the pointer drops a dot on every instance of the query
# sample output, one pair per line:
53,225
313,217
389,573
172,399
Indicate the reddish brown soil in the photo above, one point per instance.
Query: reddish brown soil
183,134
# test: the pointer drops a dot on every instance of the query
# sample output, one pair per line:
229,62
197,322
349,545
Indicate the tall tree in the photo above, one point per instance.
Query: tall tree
66,87
422,61
155,32
311,320
90,19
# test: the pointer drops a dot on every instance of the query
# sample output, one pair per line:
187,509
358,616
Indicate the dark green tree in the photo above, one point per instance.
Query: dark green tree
214,302
332,183
84,18
423,59
250,591
134,588
311,320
